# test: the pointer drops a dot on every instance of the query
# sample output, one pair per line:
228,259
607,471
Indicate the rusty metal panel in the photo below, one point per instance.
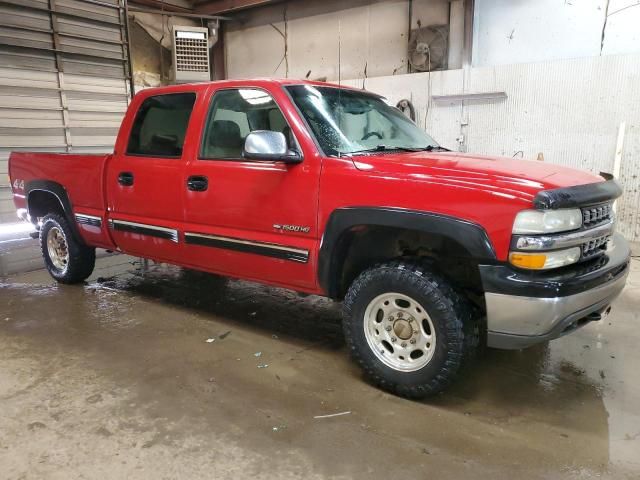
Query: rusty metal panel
95,119
25,38
92,48
83,66
16,15
85,29
30,118
27,58
12,77
91,11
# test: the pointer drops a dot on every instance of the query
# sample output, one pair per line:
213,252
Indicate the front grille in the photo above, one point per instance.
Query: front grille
594,216
595,247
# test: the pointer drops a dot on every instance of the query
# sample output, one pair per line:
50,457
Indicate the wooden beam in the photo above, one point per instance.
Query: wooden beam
216,7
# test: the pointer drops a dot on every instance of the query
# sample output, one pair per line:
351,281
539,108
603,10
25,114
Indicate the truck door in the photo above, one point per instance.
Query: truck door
144,178
252,219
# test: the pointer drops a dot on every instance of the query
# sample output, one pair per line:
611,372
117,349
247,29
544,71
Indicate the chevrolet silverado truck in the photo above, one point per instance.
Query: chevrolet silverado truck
328,190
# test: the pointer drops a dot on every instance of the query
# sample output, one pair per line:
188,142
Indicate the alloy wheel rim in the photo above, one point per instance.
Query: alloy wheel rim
399,332
57,248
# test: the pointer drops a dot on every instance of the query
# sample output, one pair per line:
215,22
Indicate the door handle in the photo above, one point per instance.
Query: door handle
197,183
125,179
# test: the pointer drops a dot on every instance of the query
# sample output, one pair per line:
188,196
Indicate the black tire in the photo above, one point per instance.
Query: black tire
451,315
81,259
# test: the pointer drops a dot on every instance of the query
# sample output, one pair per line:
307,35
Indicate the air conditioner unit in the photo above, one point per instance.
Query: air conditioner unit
190,54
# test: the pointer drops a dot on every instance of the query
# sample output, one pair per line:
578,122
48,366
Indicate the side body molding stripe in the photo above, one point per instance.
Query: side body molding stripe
85,219
144,229
470,235
239,245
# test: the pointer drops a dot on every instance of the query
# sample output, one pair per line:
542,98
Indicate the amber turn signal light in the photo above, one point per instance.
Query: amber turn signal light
531,261
545,260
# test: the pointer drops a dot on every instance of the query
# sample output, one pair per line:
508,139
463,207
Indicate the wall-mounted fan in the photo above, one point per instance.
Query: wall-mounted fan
429,48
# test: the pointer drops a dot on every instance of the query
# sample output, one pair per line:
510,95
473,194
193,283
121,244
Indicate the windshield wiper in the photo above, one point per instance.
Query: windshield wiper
433,148
383,148
386,148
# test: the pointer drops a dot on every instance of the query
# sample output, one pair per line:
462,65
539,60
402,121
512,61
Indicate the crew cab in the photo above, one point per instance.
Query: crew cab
327,190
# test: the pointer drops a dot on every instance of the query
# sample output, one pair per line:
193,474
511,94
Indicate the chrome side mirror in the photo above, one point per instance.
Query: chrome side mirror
269,145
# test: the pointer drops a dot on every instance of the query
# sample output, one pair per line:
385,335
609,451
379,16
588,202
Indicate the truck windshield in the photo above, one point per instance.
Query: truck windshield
350,122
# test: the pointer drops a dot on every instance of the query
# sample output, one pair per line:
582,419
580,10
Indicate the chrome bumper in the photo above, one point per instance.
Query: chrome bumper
518,321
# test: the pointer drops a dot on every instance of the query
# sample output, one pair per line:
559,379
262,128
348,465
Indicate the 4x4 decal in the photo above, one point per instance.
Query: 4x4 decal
18,184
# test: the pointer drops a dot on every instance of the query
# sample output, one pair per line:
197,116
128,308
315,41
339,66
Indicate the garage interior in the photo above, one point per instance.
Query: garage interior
152,371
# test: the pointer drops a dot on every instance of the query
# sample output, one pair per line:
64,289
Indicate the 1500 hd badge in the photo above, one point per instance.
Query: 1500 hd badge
291,228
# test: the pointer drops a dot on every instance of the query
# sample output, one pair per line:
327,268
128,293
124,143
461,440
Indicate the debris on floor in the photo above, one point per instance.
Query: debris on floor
224,335
333,415
257,354
211,340
182,399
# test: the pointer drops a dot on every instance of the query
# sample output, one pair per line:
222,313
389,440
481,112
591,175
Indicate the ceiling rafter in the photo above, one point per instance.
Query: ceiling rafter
216,7
165,5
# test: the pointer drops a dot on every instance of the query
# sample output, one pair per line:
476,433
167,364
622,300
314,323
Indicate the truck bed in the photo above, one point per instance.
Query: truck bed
62,168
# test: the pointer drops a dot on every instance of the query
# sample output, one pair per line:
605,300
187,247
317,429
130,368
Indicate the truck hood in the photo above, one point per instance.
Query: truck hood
513,177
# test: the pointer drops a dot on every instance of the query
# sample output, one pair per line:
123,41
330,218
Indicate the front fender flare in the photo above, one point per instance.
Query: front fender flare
470,235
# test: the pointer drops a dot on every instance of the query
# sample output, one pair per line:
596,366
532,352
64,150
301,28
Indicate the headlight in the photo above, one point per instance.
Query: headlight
545,260
547,221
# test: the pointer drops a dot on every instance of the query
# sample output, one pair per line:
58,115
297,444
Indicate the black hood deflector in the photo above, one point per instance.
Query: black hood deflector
578,196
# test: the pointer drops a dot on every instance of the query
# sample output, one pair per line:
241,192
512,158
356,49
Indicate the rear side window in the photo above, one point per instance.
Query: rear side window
160,125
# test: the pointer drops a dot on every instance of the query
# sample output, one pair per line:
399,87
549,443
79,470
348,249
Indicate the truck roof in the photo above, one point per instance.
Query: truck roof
253,82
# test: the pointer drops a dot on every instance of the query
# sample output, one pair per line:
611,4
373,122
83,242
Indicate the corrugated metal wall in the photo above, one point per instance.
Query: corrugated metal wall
64,78
569,111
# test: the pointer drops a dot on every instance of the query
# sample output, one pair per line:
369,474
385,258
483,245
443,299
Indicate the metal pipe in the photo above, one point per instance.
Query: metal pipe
409,32
126,26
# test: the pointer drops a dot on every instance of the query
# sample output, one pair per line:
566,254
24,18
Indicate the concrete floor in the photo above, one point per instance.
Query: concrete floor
116,379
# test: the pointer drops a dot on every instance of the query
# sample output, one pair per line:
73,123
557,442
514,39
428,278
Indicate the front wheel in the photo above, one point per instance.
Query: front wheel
66,259
405,326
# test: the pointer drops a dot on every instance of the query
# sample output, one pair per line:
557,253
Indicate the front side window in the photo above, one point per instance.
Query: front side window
348,122
161,125
233,115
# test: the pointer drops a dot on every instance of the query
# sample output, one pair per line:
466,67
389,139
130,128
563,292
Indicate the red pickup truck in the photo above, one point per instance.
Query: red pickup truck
328,190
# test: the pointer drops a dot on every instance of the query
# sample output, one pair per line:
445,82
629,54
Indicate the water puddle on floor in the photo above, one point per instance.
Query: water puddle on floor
573,404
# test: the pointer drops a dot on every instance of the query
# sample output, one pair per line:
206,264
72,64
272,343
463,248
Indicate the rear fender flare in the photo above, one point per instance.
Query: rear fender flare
471,236
60,193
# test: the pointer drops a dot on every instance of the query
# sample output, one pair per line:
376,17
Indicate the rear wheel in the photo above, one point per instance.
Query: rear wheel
66,259
405,326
